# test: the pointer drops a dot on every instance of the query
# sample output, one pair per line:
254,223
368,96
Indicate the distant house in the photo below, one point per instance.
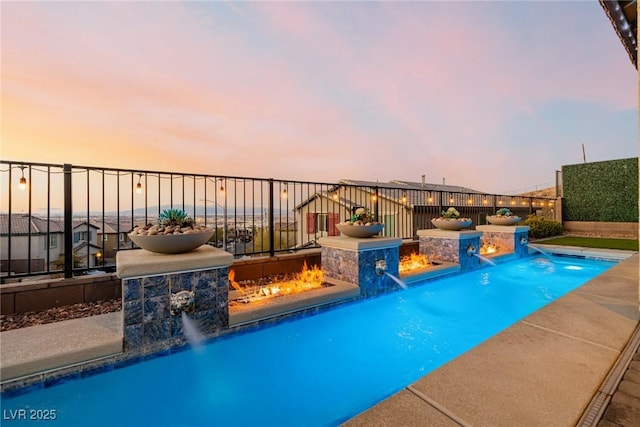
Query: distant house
86,251
34,242
402,206
37,245
112,237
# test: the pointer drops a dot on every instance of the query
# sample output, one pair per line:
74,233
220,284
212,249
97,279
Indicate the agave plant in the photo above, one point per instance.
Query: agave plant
175,217
504,212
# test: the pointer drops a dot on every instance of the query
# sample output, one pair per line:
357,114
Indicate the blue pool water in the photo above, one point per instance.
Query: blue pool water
318,370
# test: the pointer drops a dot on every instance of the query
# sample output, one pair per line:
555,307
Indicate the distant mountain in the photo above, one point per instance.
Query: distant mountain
199,210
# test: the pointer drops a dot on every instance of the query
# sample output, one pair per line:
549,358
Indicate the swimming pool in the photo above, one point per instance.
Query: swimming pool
317,370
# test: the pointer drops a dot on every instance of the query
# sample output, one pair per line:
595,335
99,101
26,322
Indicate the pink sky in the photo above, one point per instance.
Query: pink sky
494,96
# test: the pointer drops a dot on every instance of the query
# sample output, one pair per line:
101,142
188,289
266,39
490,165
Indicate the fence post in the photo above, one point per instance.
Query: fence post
530,205
68,223
271,220
376,207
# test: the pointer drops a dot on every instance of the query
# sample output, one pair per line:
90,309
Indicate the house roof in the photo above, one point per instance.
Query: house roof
438,187
393,191
84,244
22,223
624,18
79,223
326,194
111,227
410,185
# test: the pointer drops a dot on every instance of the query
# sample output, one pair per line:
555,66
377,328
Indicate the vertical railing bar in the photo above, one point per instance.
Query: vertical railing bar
118,208
295,213
262,222
146,198
48,243
29,260
88,219
225,208
10,221
102,245
253,215
279,198
159,194
68,222
271,219
244,214
194,197
235,214
215,208
205,200
133,215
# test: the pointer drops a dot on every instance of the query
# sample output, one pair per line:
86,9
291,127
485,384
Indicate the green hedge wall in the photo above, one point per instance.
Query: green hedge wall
601,191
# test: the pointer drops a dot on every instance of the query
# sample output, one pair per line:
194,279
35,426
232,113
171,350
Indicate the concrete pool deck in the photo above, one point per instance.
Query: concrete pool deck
542,371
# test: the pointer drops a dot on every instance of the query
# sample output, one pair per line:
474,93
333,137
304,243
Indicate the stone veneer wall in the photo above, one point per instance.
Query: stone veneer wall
502,241
148,324
448,249
510,239
359,268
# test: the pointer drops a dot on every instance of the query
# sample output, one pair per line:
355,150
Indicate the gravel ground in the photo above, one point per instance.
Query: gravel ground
15,321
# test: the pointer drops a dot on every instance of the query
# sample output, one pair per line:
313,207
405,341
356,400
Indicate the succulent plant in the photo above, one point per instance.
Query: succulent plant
175,217
451,213
363,215
504,212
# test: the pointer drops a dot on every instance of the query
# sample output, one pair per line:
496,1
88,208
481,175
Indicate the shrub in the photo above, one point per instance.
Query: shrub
540,227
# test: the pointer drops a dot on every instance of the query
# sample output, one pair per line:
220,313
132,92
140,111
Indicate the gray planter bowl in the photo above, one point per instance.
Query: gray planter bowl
361,231
450,224
503,220
172,243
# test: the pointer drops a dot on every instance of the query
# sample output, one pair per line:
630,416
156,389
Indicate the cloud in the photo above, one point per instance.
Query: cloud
313,91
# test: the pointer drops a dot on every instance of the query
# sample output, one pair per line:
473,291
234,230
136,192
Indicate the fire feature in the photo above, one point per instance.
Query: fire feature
412,262
305,280
488,249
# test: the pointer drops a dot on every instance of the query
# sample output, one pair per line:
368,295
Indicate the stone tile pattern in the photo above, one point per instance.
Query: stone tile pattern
359,268
507,242
451,250
148,324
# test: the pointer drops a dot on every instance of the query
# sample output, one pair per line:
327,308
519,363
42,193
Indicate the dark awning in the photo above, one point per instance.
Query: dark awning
624,18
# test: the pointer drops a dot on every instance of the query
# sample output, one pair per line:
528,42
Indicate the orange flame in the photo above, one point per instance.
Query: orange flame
413,262
303,281
236,286
306,280
488,249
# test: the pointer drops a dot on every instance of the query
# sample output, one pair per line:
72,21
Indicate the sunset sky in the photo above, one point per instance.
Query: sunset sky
495,96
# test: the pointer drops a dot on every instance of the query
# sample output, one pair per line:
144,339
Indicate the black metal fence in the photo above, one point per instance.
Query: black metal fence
47,208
